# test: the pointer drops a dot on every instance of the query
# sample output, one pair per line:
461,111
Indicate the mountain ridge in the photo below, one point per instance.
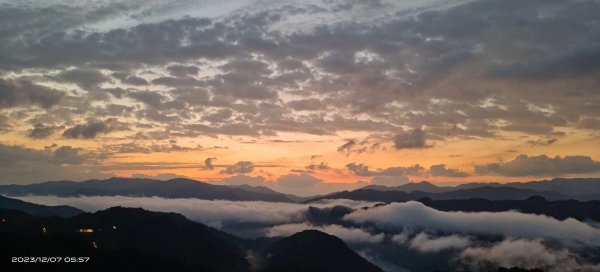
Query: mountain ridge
38,210
134,239
173,188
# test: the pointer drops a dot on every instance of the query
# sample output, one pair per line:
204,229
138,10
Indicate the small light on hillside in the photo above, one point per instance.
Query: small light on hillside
86,230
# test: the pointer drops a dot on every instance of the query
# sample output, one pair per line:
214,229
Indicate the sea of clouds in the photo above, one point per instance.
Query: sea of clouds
477,241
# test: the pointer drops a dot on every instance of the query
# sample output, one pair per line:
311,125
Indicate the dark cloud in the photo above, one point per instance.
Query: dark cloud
130,79
363,170
220,116
84,78
580,59
415,138
91,129
41,131
541,165
307,104
359,169
152,99
183,70
241,167
4,123
137,147
541,142
588,123
356,67
440,170
320,166
22,93
68,155
26,165
208,163
347,146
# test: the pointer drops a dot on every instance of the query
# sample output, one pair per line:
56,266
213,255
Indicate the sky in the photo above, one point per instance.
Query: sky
303,96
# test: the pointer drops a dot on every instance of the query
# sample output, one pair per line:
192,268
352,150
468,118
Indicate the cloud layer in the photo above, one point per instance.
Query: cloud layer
415,215
473,241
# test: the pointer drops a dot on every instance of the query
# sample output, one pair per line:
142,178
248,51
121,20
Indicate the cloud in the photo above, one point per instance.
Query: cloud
415,215
208,163
218,213
541,142
23,93
347,146
422,242
152,99
241,167
243,179
68,155
349,235
588,123
182,70
92,128
526,254
295,181
361,169
340,62
345,65
441,170
41,131
414,138
85,78
4,123
23,165
426,243
541,165
320,166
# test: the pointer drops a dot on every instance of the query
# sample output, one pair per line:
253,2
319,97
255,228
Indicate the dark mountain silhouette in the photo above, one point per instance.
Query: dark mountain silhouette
174,188
572,187
576,188
174,241
556,189
133,239
38,210
265,190
560,209
368,195
312,250
422,186
490,193
327,215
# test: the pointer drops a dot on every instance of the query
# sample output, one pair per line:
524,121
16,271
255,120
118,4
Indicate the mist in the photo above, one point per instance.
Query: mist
476,241
397,216
211,212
